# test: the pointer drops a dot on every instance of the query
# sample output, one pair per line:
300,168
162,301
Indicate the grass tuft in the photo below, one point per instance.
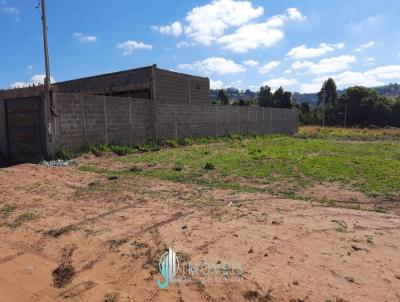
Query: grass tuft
21,219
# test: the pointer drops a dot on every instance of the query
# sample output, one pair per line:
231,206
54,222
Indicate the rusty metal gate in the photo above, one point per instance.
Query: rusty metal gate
25,129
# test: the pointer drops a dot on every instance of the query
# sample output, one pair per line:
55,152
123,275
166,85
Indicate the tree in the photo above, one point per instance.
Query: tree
328,93
265,98
242,102
327,99
223,97
396,113
278,96
286,101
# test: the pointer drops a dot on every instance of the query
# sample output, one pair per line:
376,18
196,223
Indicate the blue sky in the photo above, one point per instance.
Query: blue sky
245,44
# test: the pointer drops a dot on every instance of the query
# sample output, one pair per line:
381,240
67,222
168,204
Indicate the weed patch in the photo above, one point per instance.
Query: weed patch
21,219
7,210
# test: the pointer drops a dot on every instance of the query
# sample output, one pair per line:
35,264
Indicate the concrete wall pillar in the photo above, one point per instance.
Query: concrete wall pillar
3,130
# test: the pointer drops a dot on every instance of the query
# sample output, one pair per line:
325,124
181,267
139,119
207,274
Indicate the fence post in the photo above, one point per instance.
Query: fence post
238,120
216,119
83,119
130,123
175,123
105,120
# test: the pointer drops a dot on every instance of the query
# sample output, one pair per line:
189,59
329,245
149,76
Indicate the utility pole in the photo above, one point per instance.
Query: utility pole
46,52
49,110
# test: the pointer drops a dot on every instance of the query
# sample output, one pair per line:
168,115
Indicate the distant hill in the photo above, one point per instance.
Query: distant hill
391,90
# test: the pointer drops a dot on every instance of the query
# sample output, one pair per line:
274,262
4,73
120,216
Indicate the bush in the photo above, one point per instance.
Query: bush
151,146
178,167
122,150
186,141
64,154
209,166
171,143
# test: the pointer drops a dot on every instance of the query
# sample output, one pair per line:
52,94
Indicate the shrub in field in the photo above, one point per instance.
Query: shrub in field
209,166
178,166
186,141
171,143
63,154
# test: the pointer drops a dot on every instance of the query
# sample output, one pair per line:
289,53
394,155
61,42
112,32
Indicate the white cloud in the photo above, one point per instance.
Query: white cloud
364,46
268,67
295,14
303,52
364,26
370,78
385,72
9,10
175,29
29,67
128,47
350,78
250,37
206,23
216,84
327,65
35,80
310,88
83,38
287,71
278,82
236,84
251,63
369,61
184,44
214,65
253,36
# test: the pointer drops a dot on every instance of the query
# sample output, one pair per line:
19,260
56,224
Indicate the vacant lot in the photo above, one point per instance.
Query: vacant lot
325,165
311,218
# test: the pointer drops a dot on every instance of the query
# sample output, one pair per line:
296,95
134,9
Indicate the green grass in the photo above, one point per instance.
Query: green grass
278,163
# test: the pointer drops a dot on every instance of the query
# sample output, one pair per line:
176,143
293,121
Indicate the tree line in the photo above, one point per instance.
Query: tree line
356,106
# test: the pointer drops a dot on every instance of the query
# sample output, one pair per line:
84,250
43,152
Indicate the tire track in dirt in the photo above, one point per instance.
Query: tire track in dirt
11,257
93,219
26,248
142,230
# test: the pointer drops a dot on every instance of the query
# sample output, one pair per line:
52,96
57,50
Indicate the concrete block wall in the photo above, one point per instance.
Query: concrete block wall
181,89
178,121
87,119
140,77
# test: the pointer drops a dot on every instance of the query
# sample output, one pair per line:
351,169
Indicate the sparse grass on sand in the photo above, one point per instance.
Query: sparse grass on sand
21,219
366,160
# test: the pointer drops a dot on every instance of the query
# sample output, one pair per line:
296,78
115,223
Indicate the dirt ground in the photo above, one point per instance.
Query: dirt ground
66,235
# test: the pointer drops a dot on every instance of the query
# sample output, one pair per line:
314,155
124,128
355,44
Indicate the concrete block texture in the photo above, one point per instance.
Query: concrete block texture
88,119
177,121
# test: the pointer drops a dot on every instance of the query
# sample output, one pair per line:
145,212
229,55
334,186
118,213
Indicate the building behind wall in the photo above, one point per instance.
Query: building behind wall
128,107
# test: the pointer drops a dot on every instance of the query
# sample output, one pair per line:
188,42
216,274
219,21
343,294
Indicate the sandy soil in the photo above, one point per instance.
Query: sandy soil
84,237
